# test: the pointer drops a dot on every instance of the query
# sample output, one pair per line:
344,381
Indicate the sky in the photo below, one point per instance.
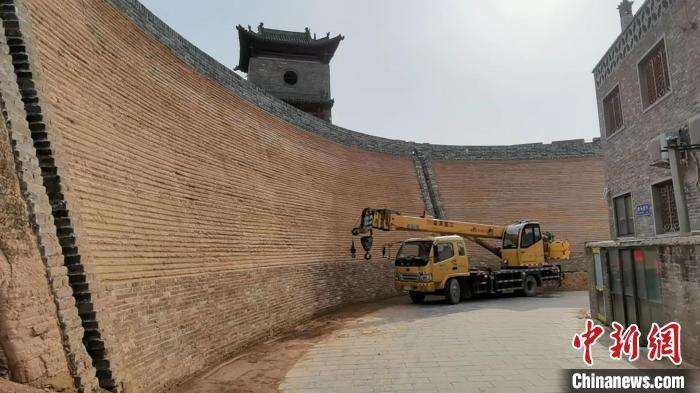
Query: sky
459,72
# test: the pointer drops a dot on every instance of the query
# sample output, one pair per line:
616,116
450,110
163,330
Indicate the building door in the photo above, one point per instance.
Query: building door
598,258
644,316
635,288
648,270
629,287
616,293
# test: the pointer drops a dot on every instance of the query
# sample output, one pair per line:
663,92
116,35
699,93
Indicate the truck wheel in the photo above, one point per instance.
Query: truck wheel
417,297
452,291
530,286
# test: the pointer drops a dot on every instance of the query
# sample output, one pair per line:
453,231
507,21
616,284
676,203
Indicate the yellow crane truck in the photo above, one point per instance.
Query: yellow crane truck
439,265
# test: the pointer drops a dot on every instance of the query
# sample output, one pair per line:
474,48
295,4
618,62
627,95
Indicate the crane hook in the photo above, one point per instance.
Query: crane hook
353,251
366,242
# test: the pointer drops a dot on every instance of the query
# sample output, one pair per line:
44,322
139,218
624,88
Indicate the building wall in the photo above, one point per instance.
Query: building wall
208,215
565,196
626,158
314,79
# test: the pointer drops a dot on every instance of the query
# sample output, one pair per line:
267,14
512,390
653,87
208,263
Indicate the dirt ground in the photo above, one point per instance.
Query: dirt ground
264,366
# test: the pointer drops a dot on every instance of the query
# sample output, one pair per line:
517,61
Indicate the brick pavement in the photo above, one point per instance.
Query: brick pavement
499,345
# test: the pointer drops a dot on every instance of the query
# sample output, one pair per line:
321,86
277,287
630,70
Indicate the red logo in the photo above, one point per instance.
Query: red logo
586,339
626,341
665,342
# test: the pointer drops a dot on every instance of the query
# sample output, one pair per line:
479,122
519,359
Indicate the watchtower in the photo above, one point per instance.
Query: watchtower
290,65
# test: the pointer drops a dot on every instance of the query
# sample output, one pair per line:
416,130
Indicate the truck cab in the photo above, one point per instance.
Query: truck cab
424,265
523,245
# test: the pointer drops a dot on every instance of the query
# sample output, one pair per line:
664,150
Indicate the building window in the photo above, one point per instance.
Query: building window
654,79
612,108
665,208
624,221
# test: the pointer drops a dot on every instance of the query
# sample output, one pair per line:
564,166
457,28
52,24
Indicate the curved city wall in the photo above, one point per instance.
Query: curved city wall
198,215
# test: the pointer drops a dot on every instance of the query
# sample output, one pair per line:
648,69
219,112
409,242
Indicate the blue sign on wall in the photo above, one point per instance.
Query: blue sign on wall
643,209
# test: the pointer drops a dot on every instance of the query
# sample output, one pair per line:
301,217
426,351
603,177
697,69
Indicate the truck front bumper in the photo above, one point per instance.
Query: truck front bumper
414,286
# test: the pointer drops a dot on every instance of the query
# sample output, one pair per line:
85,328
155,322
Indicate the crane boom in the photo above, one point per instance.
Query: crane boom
522,242
388,220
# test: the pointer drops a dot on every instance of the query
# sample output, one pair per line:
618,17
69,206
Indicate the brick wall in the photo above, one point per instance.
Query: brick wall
565,196
680,288
208,222
170,330
209,215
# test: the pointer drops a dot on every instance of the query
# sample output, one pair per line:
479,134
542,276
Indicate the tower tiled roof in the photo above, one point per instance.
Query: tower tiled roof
297,43
285,35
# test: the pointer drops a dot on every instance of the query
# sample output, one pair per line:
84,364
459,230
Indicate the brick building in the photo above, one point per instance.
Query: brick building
648,92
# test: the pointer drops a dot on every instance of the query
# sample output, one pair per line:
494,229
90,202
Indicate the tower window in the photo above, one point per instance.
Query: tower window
290,77
653,75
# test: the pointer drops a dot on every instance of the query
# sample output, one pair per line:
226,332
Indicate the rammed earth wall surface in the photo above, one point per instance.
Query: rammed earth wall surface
40,332
196,215
30,337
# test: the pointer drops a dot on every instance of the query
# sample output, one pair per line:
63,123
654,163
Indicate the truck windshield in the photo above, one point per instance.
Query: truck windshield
414,253
510,237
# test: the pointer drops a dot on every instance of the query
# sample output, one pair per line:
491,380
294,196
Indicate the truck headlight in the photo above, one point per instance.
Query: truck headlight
425,278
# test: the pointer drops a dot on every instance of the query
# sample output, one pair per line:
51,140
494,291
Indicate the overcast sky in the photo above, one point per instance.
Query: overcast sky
451,71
